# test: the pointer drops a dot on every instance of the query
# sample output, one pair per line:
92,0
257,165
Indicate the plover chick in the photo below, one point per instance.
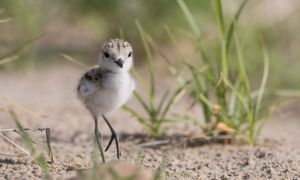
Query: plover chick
108,86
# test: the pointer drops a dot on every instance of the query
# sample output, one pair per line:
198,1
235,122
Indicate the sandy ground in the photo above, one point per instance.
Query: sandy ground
50,93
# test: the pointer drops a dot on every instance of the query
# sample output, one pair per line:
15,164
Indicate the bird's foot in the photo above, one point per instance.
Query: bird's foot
115,137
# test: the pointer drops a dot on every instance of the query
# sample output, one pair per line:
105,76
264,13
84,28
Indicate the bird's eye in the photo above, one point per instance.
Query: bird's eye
106,54
129,55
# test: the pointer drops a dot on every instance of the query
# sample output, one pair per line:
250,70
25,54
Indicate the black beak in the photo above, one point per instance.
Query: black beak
119,62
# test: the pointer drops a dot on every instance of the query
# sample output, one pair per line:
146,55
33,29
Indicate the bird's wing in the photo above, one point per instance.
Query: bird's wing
90,82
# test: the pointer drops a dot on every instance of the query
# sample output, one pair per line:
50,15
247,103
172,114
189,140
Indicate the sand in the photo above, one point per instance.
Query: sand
50,93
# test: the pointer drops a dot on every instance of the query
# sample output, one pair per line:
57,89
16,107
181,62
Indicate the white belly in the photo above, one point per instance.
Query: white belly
113,95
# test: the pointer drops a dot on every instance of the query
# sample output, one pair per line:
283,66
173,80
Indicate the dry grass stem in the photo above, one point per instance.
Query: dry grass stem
47,133
14,144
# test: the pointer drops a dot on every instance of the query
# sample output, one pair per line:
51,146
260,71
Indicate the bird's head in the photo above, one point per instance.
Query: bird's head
116,55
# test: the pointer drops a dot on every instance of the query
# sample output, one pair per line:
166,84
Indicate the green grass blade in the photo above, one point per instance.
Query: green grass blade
177,120
134,114
224,59
173,99
222,29
188,15
158,173
205,100
184,60
16,53
263,82
201,87
162,101
9,59
139,118
158,48
73,60
148,54
171,66
233,100
246,86
24,134
196,80
243,75
140,78
226,42
259,129
211,75
220,17
231,29
141,101
174,41
150,65
239,95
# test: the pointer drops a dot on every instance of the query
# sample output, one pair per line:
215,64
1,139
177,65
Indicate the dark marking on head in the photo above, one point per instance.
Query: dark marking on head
115,42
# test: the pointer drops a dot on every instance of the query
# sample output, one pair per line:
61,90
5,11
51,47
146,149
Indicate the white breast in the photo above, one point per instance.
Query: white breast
115,92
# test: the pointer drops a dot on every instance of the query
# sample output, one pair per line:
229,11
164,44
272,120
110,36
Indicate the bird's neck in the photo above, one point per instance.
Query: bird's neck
108,71
105,70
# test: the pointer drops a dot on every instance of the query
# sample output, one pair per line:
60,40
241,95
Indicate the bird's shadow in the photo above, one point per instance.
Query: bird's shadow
147,141
142,138
174,140
11,161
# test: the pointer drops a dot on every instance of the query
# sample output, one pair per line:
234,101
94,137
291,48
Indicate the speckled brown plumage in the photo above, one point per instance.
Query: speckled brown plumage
95,76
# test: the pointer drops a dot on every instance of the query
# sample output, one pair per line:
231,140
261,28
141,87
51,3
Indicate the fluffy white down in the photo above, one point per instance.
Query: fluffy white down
116,90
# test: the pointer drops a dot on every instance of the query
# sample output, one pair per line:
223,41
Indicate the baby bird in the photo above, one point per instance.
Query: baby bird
108,86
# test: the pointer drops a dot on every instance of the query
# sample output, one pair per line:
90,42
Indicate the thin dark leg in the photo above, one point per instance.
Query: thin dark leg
114,136
98,137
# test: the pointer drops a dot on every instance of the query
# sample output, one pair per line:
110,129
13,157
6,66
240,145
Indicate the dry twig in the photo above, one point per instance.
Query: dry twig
47,133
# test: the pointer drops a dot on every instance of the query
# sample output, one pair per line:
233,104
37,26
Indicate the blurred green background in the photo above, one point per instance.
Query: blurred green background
79,27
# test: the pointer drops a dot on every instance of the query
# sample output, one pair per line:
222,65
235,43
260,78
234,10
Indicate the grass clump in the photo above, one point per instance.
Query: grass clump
156,113
223,91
